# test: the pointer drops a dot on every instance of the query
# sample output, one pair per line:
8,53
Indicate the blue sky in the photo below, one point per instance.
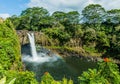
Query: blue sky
15,7
11,7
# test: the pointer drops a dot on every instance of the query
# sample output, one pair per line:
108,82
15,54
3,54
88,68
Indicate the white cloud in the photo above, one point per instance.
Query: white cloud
4,15
69,5
111,4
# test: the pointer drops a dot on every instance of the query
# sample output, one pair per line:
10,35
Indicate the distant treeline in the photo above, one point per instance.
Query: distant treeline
95,29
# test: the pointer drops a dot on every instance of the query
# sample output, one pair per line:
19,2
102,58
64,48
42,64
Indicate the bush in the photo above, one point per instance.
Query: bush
107,72
10,61
48,79
57,33
25,77
9,47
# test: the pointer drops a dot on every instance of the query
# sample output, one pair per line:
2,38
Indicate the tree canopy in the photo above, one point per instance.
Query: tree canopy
95,27
93,13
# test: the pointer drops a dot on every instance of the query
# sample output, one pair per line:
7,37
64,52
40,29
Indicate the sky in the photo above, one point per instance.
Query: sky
15,7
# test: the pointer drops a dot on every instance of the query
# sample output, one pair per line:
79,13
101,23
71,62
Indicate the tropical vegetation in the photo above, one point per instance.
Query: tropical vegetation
95,27
96,30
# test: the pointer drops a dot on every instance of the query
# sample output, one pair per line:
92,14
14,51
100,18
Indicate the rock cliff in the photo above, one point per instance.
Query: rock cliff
40,38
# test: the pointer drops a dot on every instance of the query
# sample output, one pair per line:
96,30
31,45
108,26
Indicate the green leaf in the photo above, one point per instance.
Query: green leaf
12,81
3,80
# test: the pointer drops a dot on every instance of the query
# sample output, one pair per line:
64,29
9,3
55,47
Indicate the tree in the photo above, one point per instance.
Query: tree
57,33
69,20
15,20
73,17
89,36
113,16
60,17
93,14
34,19
103,43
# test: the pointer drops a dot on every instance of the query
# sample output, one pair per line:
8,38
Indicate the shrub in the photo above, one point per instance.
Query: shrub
23,77
106,73
48,79
9,47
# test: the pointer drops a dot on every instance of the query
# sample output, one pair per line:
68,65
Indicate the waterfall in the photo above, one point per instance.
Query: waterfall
44,55
32,45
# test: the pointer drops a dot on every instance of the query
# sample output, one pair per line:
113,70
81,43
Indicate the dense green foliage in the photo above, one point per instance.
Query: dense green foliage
98,32
11,71
93,14
22,77
59,34
9,47
10,57
96,28
106,73
48,79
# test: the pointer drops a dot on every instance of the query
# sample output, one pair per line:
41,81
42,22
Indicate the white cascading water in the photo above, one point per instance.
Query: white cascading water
32,45
38,57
